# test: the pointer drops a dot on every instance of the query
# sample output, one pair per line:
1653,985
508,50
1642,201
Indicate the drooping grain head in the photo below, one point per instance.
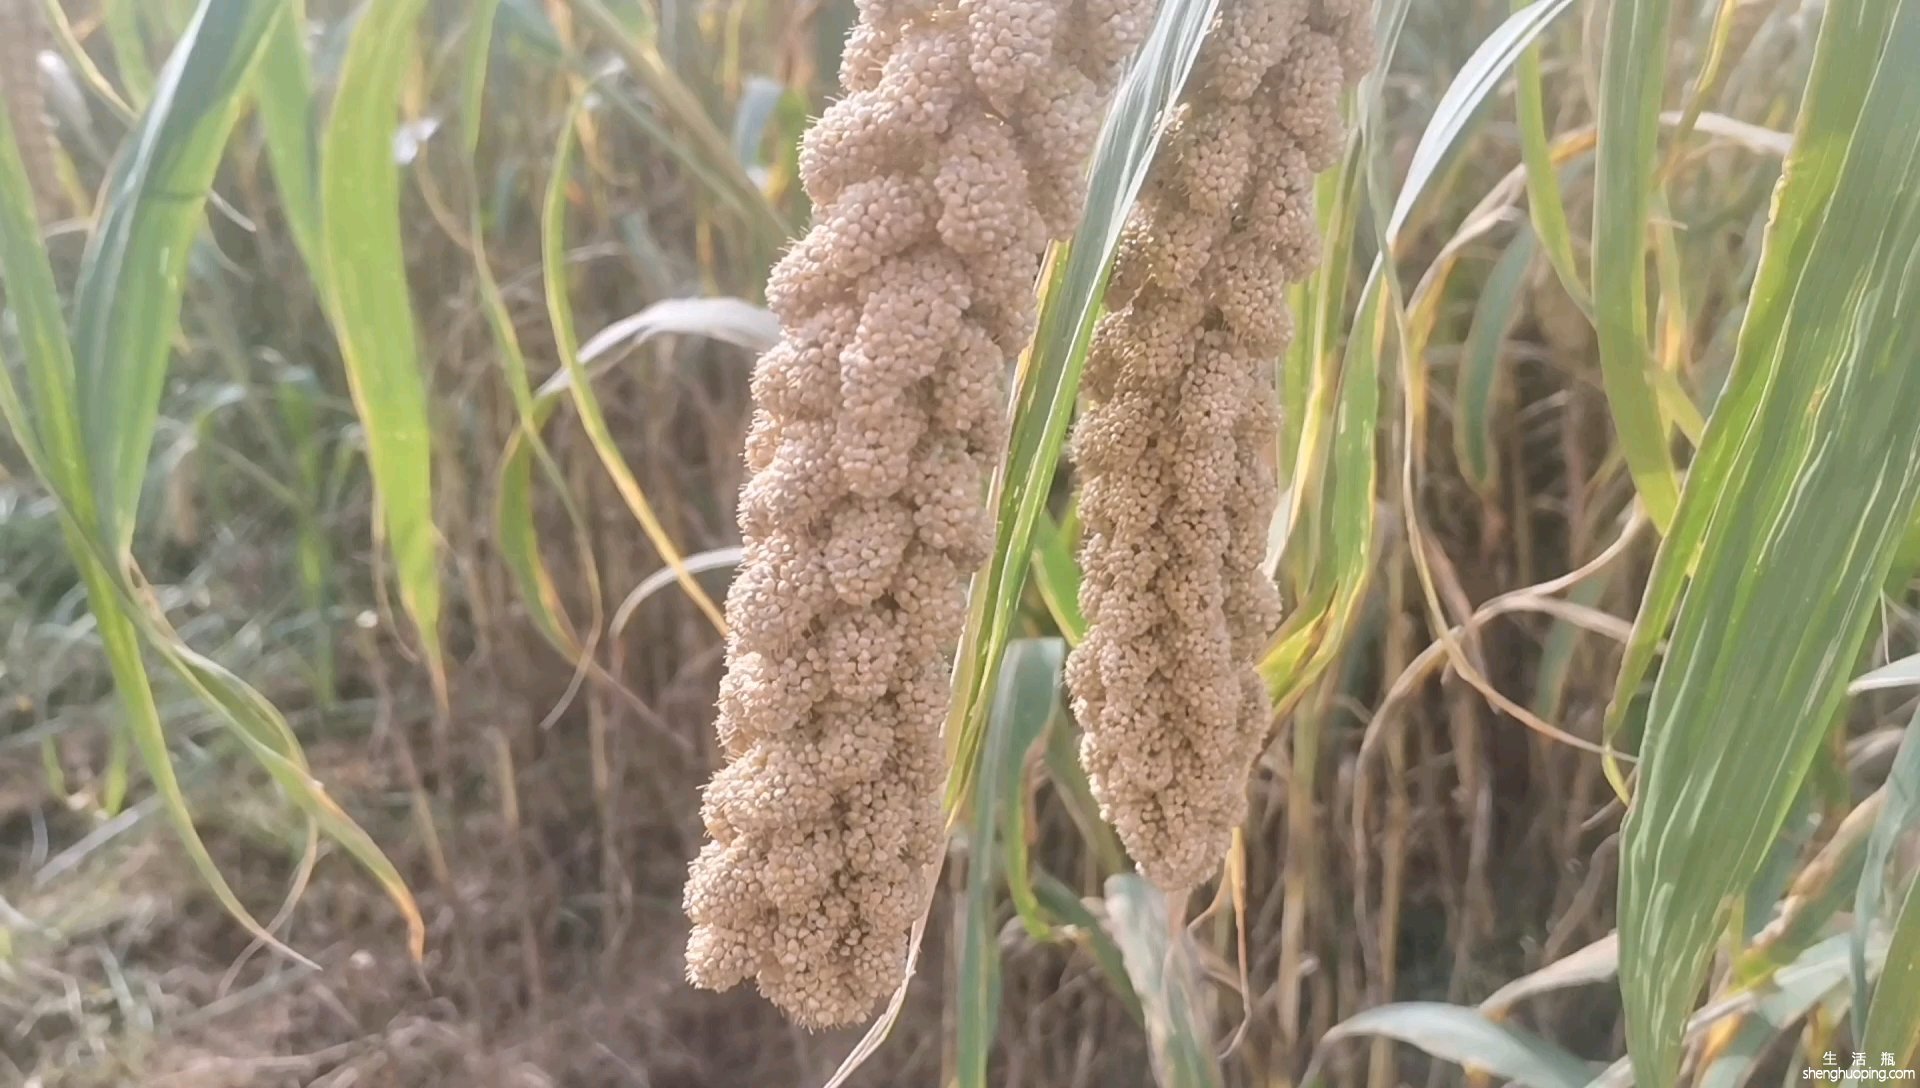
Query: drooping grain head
1174,449
937,180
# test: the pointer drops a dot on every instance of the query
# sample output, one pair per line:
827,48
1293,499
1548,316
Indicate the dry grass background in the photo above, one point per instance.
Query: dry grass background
1425,847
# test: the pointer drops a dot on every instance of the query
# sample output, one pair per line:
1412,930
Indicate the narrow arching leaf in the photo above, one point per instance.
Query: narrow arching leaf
1466,1038
1631,79
1904,673
285,93
365,288
127,301
1027,698
1822,142
1470,88
1477,387
1597,962
1816,469
717,559
1545,205
48,426
728,320
1893,1023
1069,909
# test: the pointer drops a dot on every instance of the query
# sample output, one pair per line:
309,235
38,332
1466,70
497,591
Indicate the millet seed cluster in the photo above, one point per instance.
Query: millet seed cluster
956,153
1174,450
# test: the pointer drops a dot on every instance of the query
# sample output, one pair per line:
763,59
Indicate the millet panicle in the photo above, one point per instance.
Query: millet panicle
956,153
1174,449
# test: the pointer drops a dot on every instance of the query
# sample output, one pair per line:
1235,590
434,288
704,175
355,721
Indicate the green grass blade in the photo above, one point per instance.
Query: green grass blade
1822,477
1048,382
1069,780
1477,385
1893,1023
365,286
1900,812
473,81
48,427
1321,303
1056,574
285,94
1823,138
1065,904
269,739
120,640
1546,207
517,531
122,21
127,301
1333,543
515,526
1027,698
975,998
294,397
1632,71
1160,961
1470,88
1027,705
1467,1038
45,422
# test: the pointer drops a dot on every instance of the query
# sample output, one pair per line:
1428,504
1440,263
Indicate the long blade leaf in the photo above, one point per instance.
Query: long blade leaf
365,285
1816,469
1467,1038
1631,77
127,301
